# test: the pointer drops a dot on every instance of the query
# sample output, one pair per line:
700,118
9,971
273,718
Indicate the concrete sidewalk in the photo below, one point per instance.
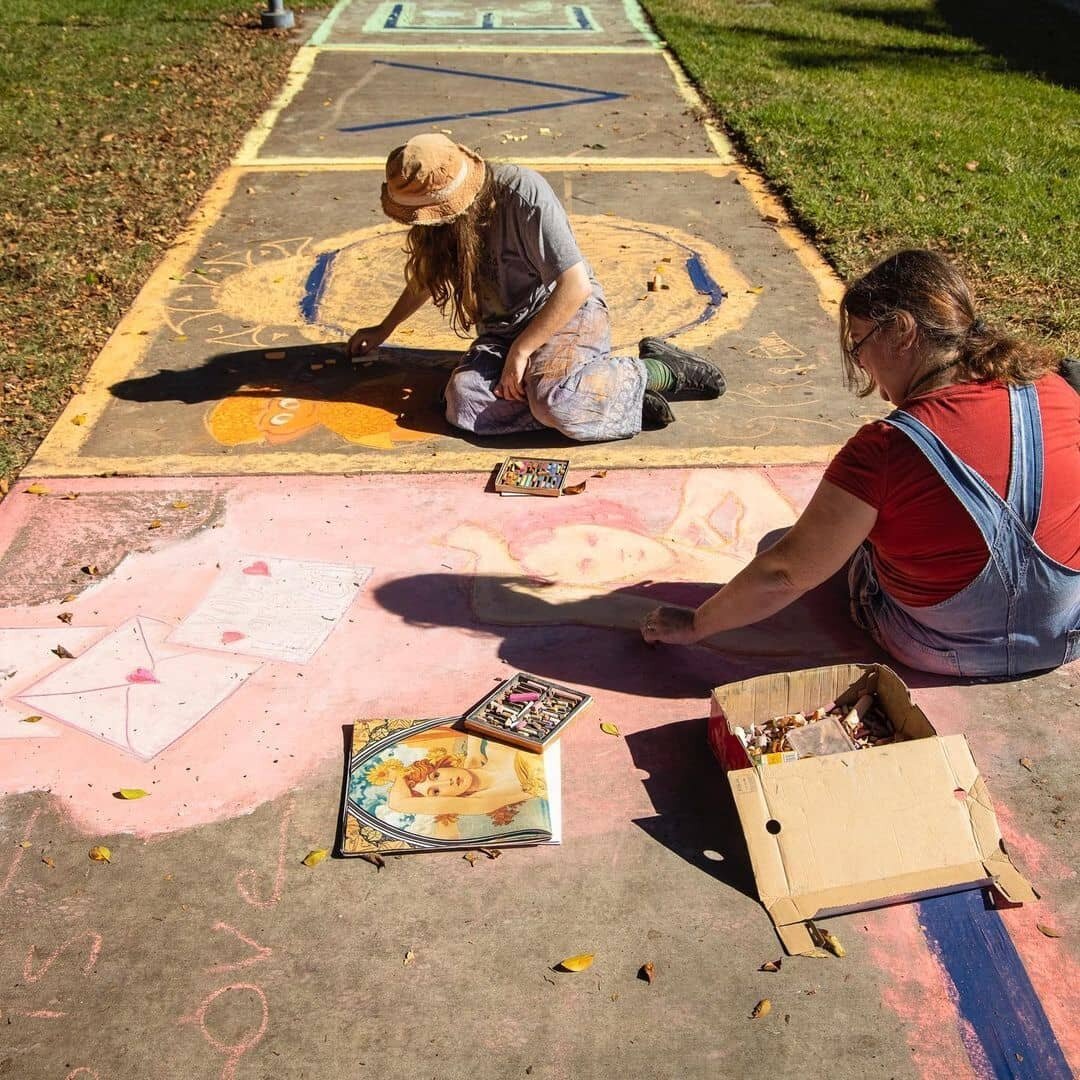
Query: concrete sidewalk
205,948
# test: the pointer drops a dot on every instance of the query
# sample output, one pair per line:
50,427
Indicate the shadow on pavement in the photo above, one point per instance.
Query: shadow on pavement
695,811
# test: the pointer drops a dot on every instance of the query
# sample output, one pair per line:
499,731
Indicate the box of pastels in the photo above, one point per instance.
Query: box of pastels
526,711
531,476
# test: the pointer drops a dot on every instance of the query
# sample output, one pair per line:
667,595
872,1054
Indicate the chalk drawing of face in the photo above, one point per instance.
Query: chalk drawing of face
581,572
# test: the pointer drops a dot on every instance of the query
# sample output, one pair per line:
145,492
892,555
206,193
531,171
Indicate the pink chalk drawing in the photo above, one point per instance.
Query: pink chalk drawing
25,655
233,1051
82,1070
248,875
20,851
32,976
281,609
98,694
262,951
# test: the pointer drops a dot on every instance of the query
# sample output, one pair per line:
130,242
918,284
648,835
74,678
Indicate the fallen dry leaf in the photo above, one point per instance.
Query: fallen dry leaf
24,843
574,489
70,596
65,616
491,853
90,570
771,965
37,489
48,861
609,728
69,496
180,505
155,524
832,943
315,856
470,857
410,956
63,653
971,166
576,963
647,972
599,475
374,858
757,290
100,854
130,793
762,1008
79,419
1049,931
1027,763
30,719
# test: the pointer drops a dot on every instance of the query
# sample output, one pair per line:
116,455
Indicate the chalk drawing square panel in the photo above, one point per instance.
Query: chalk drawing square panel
133,690
25,654
282,609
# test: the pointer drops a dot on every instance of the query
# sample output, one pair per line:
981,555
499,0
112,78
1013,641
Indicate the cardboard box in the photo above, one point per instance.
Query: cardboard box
845,832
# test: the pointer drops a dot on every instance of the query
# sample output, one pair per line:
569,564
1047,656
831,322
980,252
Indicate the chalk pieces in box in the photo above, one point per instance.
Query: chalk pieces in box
531,476
526,711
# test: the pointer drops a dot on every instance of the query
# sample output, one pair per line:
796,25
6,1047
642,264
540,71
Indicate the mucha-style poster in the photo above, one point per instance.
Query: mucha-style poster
427,785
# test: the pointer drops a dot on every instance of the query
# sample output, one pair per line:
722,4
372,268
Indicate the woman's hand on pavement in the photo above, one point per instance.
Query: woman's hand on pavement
367,339
670,625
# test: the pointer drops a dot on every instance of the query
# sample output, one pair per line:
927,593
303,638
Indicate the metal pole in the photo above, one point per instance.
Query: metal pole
277,17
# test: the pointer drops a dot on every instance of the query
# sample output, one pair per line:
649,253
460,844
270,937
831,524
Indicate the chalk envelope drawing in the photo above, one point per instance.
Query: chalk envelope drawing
133,691
427,785
25,654
281,609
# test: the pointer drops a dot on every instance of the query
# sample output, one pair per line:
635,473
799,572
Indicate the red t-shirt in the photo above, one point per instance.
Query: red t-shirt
926,546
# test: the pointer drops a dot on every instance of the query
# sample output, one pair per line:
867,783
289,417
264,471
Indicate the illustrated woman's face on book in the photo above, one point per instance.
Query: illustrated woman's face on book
447,780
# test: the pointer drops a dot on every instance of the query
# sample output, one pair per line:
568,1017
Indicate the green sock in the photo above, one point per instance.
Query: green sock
658,375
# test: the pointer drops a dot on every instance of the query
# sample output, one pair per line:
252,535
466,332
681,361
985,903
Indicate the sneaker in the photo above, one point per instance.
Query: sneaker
655,411
693,374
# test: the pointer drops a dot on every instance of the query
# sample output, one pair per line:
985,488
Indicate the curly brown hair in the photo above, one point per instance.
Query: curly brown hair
420,770
932,291
445,260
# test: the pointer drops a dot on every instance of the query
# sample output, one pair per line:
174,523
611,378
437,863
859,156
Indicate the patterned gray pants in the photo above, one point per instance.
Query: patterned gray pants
573,384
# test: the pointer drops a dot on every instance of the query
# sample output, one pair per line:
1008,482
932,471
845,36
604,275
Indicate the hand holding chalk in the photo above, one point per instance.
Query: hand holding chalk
366,339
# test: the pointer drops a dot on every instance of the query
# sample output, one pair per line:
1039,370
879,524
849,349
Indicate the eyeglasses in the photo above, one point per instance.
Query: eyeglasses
853,351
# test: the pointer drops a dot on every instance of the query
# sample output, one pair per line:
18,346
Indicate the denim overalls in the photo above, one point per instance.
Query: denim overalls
1022,612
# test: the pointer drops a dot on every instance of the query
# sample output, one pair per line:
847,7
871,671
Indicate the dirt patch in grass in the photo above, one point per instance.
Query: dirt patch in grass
115,118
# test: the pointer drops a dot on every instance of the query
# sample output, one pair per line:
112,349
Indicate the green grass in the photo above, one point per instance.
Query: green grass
114,117
892,123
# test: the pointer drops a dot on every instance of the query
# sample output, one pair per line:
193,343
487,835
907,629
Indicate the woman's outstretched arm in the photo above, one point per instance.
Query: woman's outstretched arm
825,536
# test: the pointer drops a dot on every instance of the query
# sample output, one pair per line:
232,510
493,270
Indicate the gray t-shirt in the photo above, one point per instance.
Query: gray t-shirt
528,244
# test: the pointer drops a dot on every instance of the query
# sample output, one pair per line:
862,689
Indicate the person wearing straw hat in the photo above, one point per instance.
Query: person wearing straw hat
492,247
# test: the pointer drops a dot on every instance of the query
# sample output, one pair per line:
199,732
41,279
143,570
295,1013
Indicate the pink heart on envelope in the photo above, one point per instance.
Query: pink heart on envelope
258,568
231,635
142,675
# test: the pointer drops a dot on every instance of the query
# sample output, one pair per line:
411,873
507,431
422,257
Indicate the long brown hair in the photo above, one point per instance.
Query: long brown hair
445,260
932,291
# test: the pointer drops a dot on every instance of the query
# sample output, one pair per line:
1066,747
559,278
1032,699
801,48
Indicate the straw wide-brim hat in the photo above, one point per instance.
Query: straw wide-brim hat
430,180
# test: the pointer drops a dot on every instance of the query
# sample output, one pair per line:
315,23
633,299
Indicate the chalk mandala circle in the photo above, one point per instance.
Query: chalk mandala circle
325,291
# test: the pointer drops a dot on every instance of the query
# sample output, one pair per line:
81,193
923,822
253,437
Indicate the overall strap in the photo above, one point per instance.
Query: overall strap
1026,459
978,498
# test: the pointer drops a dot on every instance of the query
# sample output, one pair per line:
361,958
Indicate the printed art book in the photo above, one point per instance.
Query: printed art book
428,785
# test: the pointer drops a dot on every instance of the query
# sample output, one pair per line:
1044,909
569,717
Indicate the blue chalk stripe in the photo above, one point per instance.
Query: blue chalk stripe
316,285
994,993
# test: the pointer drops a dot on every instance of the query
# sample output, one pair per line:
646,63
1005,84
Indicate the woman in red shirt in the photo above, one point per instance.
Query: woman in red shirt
959,512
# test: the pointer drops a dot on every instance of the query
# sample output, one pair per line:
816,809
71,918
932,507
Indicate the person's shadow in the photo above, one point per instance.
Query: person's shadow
406,383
